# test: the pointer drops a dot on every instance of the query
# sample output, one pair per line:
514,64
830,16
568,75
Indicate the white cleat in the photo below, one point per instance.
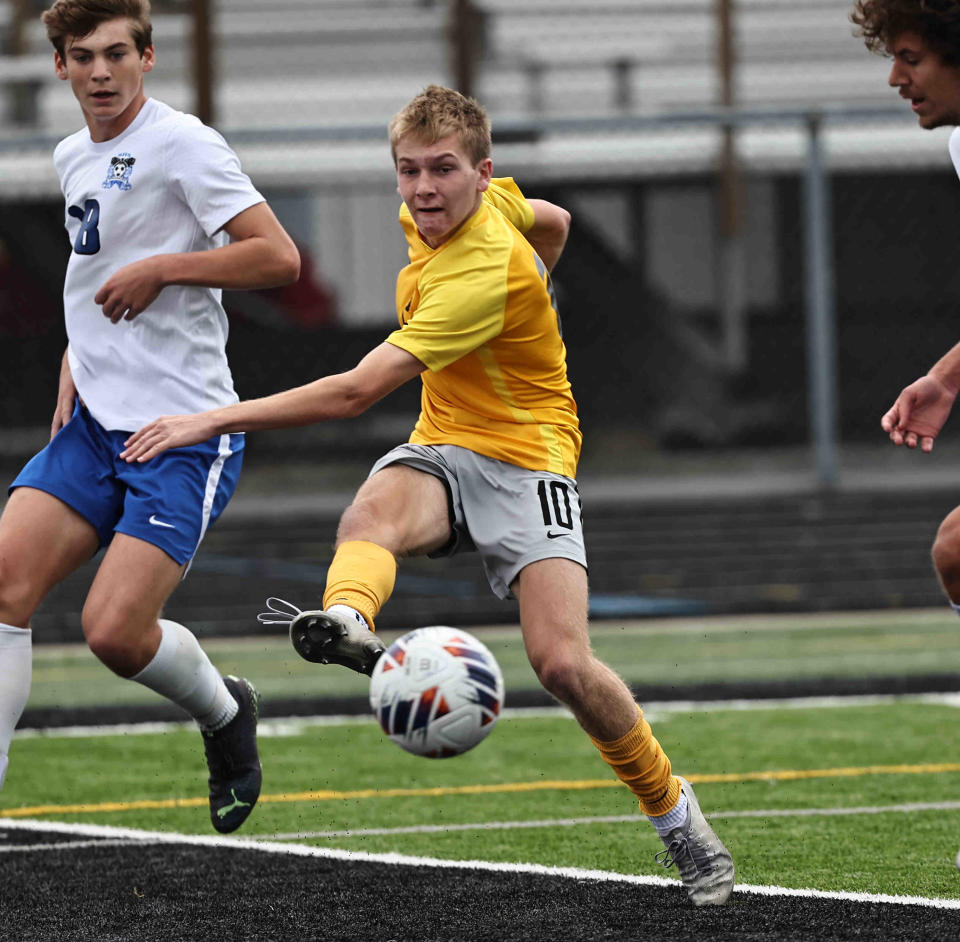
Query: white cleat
331,638
326,637
705,865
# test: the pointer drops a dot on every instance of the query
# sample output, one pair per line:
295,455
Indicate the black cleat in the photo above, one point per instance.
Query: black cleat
235,773
329,638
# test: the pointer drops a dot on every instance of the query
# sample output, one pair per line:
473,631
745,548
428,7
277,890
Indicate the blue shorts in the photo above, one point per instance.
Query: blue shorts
168,501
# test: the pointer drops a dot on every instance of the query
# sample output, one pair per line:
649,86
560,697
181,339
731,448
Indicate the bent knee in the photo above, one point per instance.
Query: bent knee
18,597
563,677
359,521
946,548
118,642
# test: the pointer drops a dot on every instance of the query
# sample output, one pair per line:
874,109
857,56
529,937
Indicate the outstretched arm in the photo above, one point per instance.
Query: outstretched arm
338,396
922,408
259,255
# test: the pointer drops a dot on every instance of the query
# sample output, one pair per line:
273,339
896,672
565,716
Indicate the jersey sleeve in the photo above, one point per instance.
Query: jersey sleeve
461,308
505,195
207,172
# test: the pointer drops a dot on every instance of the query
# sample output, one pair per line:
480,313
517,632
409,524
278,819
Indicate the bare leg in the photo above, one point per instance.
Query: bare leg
553,613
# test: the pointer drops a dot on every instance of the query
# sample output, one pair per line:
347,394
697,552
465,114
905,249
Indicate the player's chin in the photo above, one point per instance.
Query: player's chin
930,122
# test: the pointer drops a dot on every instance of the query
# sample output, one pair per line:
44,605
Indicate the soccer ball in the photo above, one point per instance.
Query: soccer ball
436,691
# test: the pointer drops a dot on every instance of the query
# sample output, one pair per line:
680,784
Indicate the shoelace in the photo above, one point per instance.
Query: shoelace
675,849
279,612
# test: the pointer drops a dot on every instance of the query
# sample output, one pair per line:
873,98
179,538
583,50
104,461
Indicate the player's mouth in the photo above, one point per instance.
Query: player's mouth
429,212
103,96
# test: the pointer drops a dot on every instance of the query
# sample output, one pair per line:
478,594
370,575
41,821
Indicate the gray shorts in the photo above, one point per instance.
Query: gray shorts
510,515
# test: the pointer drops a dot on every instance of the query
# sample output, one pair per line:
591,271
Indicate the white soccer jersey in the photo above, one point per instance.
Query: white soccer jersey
954,148
167,184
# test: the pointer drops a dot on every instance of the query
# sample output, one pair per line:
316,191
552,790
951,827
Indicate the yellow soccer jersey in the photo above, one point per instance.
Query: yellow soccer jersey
478,313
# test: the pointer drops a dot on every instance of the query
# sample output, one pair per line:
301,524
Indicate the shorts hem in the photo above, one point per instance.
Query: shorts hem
522,564
175,556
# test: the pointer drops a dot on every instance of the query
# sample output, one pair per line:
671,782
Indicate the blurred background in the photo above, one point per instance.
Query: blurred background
762,256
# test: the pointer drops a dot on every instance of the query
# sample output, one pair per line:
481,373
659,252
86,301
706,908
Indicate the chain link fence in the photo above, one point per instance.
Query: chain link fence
686,290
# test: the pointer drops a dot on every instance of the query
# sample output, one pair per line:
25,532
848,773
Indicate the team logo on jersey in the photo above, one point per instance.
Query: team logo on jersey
118,173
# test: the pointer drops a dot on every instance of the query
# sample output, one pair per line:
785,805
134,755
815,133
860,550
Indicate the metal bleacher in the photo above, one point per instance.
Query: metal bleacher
323,64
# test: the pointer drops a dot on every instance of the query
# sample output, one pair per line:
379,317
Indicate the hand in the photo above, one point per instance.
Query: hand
66,396
131,290
169,431
919,413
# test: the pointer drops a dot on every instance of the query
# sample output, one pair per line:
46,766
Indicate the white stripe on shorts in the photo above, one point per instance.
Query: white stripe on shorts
224,451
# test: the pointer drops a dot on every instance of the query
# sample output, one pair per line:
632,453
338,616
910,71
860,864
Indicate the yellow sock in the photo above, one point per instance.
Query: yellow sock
643,767
361,576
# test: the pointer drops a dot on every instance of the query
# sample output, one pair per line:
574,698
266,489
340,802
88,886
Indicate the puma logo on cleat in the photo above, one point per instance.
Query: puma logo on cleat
237,803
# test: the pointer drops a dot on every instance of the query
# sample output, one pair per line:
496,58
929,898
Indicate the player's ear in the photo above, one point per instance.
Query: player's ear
60,66
148,60
485,169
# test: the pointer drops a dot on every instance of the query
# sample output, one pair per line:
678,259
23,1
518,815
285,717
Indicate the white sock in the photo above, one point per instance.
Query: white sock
955,606
182,672
349,612
674,818
16,666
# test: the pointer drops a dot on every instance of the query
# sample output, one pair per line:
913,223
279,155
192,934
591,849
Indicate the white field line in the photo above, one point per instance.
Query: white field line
295,725
68,845
610,819
404,860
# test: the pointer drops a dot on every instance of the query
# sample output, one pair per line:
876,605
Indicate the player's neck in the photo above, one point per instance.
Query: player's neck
105,129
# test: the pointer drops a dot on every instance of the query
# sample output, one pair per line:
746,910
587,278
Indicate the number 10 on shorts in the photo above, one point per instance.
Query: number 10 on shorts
555,504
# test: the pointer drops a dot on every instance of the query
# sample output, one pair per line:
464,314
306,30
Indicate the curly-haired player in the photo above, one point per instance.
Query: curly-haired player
923,39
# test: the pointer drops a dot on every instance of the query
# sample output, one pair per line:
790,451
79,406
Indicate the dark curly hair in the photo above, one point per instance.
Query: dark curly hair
937,22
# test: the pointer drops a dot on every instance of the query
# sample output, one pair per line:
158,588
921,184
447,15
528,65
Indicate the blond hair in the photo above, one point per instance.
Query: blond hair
438,112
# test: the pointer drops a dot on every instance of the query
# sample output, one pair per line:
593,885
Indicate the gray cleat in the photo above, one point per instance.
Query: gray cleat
704,863
329,638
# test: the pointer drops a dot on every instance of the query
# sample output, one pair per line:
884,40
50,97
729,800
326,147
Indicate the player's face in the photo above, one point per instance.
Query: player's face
931,85
440,185
105,72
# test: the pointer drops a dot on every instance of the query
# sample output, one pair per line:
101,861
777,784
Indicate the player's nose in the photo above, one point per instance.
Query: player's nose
101,68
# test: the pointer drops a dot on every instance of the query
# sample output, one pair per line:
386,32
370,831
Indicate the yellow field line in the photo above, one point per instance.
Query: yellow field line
783,775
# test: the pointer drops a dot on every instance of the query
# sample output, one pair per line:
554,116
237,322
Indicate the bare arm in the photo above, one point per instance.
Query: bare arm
338,396
548,234
259,255
923,407
66,396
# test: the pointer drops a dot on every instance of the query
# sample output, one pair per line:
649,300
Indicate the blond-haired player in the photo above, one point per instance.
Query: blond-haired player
491,463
